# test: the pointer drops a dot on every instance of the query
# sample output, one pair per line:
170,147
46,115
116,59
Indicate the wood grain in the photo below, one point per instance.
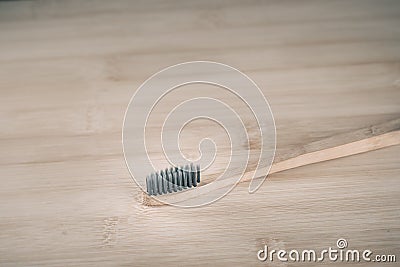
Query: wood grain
69,68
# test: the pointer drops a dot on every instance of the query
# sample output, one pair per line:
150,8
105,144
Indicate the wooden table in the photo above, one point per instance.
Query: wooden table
69,68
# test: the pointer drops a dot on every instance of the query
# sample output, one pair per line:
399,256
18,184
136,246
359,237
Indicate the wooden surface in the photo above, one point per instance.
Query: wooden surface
68,70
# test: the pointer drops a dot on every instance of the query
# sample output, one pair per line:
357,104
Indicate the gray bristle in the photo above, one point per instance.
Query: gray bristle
173,179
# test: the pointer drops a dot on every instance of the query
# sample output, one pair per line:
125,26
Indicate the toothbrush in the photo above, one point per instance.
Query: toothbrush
359,141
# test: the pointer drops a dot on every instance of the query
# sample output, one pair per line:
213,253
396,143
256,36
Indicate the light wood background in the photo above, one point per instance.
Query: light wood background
69,68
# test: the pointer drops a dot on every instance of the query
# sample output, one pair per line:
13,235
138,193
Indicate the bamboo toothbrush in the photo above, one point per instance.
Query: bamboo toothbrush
338,146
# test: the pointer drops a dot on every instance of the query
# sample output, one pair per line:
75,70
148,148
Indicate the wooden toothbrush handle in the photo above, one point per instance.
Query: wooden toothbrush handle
342,145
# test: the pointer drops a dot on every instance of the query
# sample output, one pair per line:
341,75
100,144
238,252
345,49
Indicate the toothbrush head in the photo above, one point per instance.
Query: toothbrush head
173,179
